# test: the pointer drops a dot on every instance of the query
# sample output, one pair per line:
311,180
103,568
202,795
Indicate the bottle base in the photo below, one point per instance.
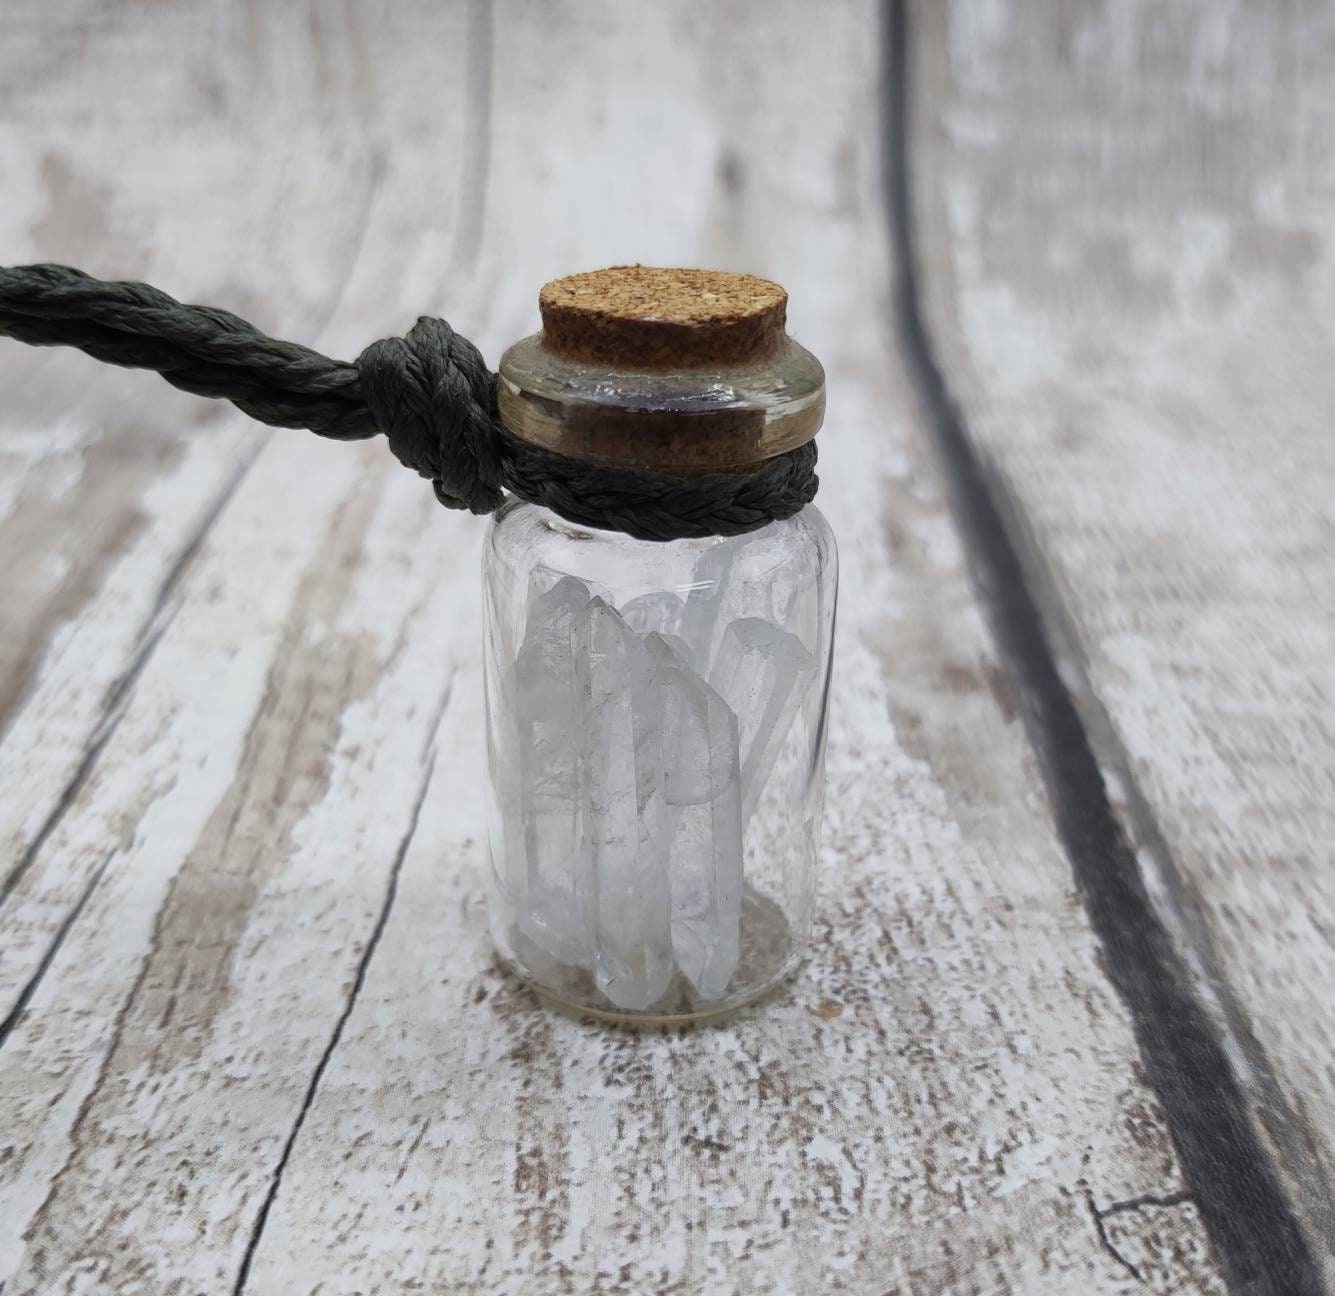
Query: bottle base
703,1015
770,952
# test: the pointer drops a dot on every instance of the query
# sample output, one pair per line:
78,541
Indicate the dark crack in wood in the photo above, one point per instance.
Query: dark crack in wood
15,1014
1106,1242
359,979
114,705
1146,1199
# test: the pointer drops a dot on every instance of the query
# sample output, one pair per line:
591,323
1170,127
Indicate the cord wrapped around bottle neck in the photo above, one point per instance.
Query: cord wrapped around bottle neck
429,392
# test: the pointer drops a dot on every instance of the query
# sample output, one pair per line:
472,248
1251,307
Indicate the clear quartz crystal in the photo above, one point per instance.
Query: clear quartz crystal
659,610
548,761
732,579
762,672
703,791
621,873
656,725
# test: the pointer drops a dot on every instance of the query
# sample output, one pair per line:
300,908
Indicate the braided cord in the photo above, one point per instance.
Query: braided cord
430,392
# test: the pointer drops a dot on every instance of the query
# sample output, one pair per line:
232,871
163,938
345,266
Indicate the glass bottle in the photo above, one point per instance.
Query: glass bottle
656,710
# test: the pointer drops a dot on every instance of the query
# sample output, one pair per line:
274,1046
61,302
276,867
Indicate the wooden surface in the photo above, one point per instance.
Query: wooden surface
251,1037
1141,349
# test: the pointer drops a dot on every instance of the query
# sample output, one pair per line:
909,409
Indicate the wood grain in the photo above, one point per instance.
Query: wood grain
268,1051
1127,277
111,479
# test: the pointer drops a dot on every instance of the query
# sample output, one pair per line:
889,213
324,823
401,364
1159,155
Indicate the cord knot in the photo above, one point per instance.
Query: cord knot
434,398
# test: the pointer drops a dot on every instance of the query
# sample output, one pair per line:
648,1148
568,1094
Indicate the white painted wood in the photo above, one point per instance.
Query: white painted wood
947,1096
1125,220
108,478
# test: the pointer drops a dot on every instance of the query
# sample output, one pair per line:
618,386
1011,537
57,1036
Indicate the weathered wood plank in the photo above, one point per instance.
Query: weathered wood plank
108,479
1124,225
273,1055
264,678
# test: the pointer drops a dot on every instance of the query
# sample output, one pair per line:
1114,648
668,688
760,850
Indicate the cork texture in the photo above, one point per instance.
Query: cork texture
655,317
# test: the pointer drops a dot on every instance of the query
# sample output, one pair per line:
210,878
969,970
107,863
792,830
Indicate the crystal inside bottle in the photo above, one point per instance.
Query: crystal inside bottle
656,710
656,724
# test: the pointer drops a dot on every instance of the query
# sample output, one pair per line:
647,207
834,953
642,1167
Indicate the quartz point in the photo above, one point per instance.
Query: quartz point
636,779
737,578
703,617
658,611
621,874
762,673
702,789
682,649
547,707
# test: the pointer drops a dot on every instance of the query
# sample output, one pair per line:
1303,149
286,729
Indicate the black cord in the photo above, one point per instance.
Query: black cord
430,392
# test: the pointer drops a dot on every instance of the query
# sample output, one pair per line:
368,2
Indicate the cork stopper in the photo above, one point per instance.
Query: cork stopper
649,317
682,372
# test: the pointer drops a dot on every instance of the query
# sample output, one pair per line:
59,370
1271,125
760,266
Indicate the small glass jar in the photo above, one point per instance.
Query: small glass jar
656,710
